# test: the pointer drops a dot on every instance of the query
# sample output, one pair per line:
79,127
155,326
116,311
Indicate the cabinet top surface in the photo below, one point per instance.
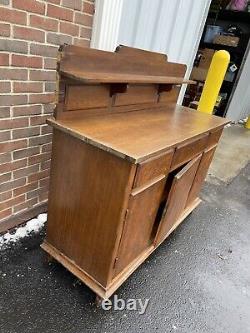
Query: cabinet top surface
139,135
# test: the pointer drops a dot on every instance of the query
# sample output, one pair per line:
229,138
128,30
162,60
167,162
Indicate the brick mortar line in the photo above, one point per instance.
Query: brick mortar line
25,138
10,6
29,42
11,53
12,198
26,94
32,104
21,158
42,30
26,68
43,111
26,178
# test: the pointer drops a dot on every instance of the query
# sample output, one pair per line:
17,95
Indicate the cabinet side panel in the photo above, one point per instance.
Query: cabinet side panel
87,191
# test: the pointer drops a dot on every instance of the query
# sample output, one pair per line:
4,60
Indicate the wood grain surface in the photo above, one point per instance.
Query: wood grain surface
126,65
139,135
127,162
177,198
88,189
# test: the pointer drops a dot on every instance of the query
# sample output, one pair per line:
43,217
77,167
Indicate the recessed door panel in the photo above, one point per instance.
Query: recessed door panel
200,175
177,198
139,222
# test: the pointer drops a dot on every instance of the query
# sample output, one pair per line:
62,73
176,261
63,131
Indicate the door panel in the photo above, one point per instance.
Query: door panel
177,198
200,175
137,232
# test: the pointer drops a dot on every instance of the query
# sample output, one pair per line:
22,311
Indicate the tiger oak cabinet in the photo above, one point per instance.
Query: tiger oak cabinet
128,163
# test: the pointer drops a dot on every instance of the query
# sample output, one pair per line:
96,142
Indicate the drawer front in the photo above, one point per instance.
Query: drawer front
214,138
152,168
186,152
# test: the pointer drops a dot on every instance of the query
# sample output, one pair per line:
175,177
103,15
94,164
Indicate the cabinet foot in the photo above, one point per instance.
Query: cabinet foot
98,300
49,258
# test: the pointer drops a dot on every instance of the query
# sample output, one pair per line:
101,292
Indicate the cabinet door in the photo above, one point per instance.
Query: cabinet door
177,198
138,224
200,175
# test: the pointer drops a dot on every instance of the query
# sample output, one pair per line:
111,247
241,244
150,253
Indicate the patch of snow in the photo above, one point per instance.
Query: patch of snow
34,225
42,218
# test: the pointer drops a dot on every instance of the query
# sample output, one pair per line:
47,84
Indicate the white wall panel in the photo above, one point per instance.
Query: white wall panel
173,27
166,26
239,108
106,24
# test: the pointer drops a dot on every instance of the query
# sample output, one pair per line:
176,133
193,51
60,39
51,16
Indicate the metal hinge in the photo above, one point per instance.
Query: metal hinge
124,219
125,216
164,211
116,259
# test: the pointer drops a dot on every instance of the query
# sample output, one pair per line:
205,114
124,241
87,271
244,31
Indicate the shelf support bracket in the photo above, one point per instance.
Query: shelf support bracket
116,88
164,87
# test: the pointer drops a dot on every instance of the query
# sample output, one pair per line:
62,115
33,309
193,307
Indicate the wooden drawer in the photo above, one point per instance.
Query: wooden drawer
187,151
153,168
214,138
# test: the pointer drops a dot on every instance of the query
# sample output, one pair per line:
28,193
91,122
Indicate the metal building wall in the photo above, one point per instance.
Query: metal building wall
173,27
168,26
239,107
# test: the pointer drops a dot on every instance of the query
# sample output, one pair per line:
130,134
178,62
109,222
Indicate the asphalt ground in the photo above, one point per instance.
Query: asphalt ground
198,280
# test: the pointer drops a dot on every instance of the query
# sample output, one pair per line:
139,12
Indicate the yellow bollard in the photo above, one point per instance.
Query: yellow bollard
247,124
215,77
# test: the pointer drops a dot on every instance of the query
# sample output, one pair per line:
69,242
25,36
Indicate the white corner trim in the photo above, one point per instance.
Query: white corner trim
193,55
106,24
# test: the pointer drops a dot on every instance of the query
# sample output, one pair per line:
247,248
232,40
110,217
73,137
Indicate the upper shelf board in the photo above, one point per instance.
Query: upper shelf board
103,77
126,65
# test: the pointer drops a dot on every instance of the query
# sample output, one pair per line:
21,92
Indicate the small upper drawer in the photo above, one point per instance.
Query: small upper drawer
153,168
214,137
187,151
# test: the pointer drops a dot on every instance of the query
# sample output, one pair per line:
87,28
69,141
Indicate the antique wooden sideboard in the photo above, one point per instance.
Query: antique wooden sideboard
128,163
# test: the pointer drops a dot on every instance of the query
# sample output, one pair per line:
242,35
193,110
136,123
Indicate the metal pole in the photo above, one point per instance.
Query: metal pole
247,124
215,77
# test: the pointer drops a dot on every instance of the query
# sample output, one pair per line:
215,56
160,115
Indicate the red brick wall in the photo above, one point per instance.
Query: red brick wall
30,32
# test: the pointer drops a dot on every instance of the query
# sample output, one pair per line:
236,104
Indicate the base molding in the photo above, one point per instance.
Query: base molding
75,269
15,220
106,292
123,275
